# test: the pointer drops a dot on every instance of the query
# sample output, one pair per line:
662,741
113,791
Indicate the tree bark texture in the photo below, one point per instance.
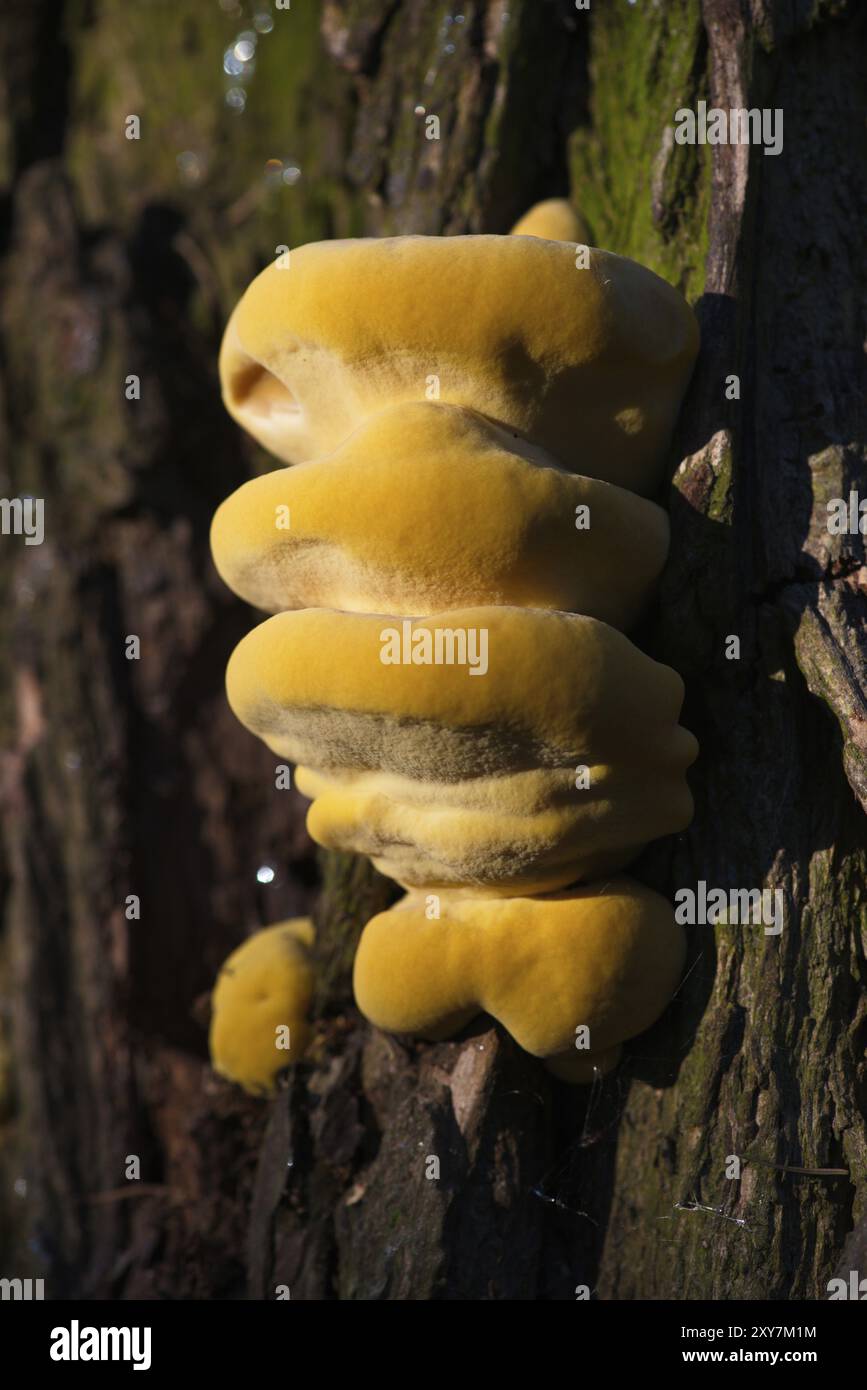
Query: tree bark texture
124,256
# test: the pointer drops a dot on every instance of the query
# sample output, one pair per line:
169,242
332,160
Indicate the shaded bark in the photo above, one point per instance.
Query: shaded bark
130,777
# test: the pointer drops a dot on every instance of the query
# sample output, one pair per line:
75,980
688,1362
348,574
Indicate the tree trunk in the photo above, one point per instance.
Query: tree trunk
129,778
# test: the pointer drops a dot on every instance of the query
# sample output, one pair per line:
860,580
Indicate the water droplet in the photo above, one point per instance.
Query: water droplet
263,23
236,97
419,111
459,19
265,874
448,48
245,46
273,171
291,174
232,64
190,167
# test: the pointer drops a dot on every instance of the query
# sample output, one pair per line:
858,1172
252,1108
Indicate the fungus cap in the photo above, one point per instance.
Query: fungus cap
554,219
590,363
606,959
524,832
264,986
427,507
471,779
369,691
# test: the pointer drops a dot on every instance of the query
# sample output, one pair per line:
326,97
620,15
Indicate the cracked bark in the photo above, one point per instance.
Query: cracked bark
130,777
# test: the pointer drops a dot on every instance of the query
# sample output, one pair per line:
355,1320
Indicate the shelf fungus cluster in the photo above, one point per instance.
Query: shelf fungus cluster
475,426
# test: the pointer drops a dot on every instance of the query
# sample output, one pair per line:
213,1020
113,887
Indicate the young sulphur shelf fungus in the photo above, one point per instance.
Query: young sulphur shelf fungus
609,956
475,426
260,1005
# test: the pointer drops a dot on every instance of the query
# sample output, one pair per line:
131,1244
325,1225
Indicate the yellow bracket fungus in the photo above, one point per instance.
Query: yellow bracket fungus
476,424
553,220
606,959
260,1005
444,780
589,363
347,546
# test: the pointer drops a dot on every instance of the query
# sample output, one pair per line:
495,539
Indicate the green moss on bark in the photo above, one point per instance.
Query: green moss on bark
642,194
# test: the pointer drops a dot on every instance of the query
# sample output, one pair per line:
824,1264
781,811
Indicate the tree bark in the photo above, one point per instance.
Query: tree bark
130,777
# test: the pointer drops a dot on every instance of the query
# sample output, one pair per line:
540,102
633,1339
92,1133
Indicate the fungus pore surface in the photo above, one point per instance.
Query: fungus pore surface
475,426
